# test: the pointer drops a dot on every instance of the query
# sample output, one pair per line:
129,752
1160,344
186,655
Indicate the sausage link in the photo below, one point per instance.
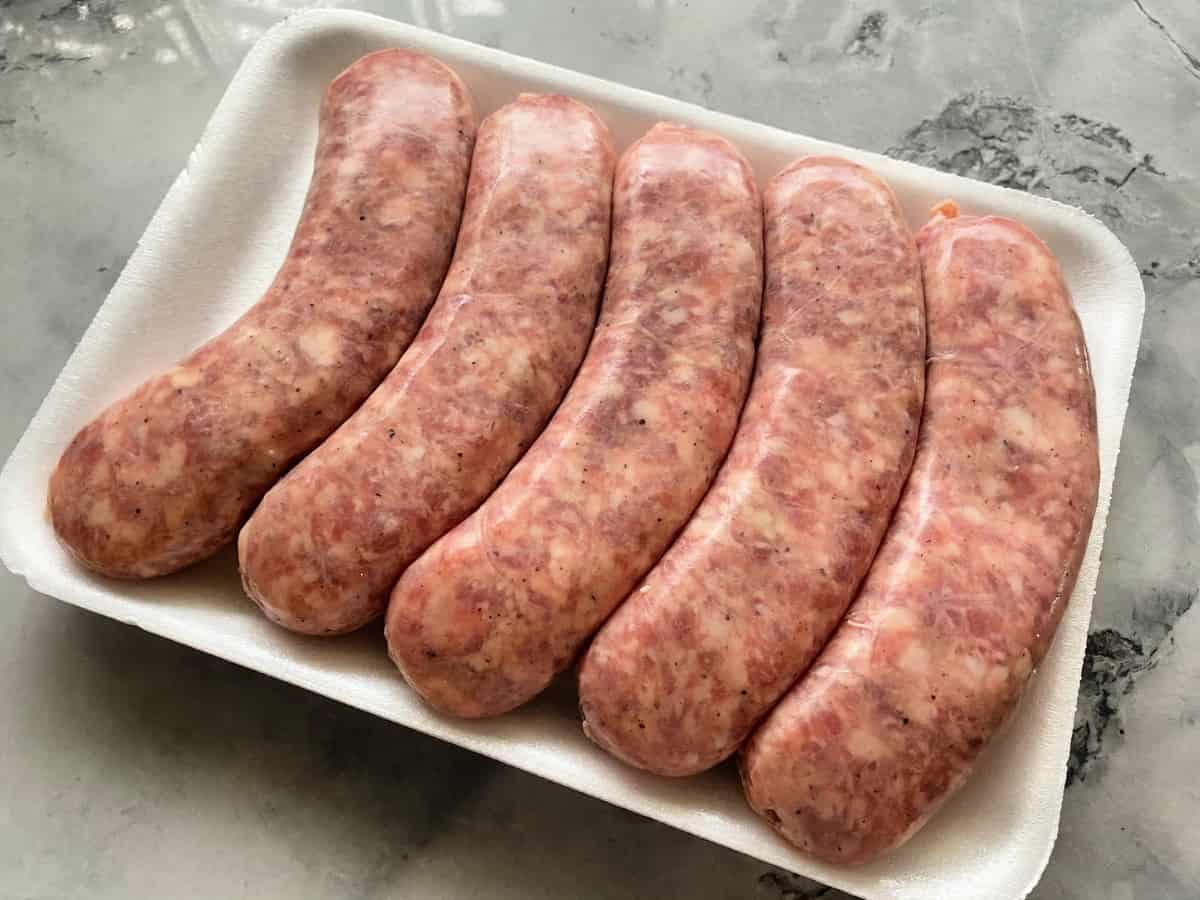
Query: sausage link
164,477
751,589
972,578
487,369
484,620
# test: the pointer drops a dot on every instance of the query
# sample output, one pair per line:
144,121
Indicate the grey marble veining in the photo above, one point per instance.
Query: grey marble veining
130,766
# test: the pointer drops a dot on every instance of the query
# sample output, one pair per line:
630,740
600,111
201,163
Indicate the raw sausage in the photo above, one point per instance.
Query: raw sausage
164,477
972,578
509,328
484,620
751,589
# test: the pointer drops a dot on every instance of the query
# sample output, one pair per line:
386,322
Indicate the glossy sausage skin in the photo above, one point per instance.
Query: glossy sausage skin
165,477
510,326
972,578
754,585
484,620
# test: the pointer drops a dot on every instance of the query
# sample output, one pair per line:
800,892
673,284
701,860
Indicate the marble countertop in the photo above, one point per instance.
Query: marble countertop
130,766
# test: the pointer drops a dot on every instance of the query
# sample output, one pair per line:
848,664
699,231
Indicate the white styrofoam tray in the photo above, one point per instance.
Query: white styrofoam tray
212,248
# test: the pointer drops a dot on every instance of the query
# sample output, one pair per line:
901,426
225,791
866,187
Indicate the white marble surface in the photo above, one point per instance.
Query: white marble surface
133,767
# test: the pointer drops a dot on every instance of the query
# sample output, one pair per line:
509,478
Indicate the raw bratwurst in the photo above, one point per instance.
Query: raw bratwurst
750,591
971,580
484,620
164,477
510,326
